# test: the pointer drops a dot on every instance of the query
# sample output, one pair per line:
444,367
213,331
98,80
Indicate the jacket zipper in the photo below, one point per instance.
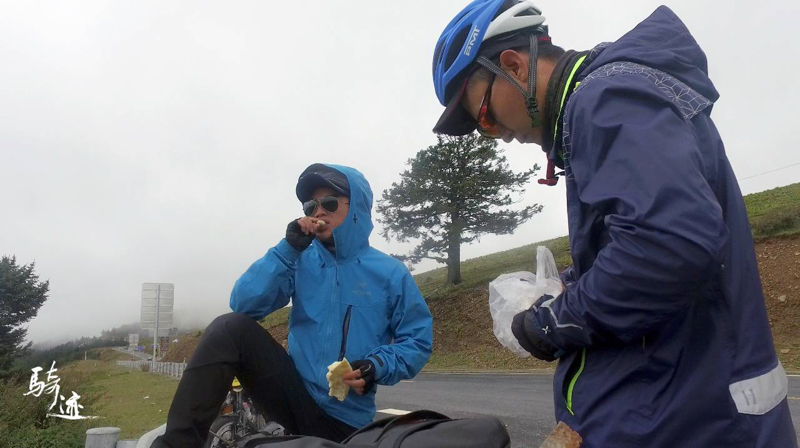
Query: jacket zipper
575,380
345,330
331,309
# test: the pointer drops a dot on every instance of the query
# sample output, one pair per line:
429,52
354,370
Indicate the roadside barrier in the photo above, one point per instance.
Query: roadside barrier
173,369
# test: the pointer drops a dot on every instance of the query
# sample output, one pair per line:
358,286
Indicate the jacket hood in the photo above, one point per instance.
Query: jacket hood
662,42
352,235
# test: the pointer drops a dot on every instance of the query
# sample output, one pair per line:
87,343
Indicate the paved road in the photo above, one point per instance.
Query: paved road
524,402
140,355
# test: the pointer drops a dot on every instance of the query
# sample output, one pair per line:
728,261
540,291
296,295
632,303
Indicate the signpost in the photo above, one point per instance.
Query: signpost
133,341
157,302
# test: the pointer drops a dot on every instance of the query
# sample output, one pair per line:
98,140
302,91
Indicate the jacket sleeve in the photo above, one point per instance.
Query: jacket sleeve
636,162
268,284
412,334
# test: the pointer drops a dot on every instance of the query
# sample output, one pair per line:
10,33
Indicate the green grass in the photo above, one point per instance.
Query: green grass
480,271
277,318
23,420
121,396
774,213
132,400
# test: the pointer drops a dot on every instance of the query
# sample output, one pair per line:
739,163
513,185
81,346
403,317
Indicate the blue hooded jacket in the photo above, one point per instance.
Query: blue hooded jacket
390,323
663,325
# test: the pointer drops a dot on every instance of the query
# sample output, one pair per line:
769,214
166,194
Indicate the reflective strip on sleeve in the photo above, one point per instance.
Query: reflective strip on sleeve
759,395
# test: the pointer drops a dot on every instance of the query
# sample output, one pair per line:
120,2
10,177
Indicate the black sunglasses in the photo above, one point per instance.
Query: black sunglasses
329,203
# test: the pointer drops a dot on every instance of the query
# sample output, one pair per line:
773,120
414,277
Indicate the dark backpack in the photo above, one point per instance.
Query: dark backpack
420,429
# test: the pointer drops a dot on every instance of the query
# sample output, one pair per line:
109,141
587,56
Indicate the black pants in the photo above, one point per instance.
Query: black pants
235,345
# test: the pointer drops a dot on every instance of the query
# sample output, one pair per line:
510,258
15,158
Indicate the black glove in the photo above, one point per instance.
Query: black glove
527,333
296,238
367,369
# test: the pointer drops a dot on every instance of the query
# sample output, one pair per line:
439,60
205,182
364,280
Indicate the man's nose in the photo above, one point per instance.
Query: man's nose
320,211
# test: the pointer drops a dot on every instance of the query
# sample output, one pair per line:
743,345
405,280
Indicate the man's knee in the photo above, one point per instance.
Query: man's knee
231,323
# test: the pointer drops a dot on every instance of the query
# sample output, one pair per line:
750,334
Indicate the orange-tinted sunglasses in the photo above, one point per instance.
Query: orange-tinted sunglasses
487,127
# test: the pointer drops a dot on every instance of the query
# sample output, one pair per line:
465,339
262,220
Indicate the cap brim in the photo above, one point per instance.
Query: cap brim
456,120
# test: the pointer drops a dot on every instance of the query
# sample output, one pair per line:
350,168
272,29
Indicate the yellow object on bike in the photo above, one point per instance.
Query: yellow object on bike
236,382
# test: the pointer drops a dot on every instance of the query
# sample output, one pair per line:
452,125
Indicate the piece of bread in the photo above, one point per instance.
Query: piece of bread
562,437
337,387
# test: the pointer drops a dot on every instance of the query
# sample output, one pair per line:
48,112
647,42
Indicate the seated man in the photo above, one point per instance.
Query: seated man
348,299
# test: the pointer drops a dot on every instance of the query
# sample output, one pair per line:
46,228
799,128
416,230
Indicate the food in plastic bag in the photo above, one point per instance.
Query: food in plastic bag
509,294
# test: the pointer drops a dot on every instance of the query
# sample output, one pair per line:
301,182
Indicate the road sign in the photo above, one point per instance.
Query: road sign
164,345
133,340
157,299
157,302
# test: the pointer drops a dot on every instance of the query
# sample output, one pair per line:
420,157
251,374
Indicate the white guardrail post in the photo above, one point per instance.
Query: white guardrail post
106,437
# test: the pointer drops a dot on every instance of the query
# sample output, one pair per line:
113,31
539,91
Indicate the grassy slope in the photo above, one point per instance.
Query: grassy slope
774,213
129,399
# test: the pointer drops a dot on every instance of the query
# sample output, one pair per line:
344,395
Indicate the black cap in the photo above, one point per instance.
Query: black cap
319,175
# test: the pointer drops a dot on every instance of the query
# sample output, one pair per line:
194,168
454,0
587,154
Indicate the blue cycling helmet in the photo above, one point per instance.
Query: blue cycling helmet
478,33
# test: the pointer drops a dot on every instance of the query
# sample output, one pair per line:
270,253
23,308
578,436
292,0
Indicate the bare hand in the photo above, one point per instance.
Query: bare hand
353,380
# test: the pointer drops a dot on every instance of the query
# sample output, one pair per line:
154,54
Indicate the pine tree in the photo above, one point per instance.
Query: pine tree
21,296
452,193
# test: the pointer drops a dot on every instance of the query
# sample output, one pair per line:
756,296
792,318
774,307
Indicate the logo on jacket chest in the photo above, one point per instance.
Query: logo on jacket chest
361,290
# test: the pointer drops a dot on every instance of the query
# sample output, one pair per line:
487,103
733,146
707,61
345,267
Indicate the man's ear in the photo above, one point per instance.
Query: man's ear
515,64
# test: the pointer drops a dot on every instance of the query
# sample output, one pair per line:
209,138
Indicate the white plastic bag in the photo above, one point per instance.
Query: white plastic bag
510,294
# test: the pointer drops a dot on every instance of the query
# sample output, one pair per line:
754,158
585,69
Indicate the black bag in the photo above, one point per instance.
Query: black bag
420,429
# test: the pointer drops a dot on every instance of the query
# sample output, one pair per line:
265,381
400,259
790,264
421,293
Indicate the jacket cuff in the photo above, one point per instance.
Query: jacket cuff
381,367
290,253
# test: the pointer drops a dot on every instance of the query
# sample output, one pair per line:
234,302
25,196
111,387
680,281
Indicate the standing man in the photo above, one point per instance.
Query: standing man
348,300
661,333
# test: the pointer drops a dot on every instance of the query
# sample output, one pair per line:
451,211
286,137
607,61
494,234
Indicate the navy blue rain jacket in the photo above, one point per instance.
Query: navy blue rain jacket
389,323
663,325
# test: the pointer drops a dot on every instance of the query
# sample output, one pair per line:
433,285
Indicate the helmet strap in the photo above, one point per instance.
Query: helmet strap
529,95
530,103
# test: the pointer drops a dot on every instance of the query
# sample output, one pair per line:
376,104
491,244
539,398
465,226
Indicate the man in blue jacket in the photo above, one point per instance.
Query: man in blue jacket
661,332
348,300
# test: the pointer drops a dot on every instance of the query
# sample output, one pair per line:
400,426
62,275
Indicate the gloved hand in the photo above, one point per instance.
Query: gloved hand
529,336
568,276
366,374
296,237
